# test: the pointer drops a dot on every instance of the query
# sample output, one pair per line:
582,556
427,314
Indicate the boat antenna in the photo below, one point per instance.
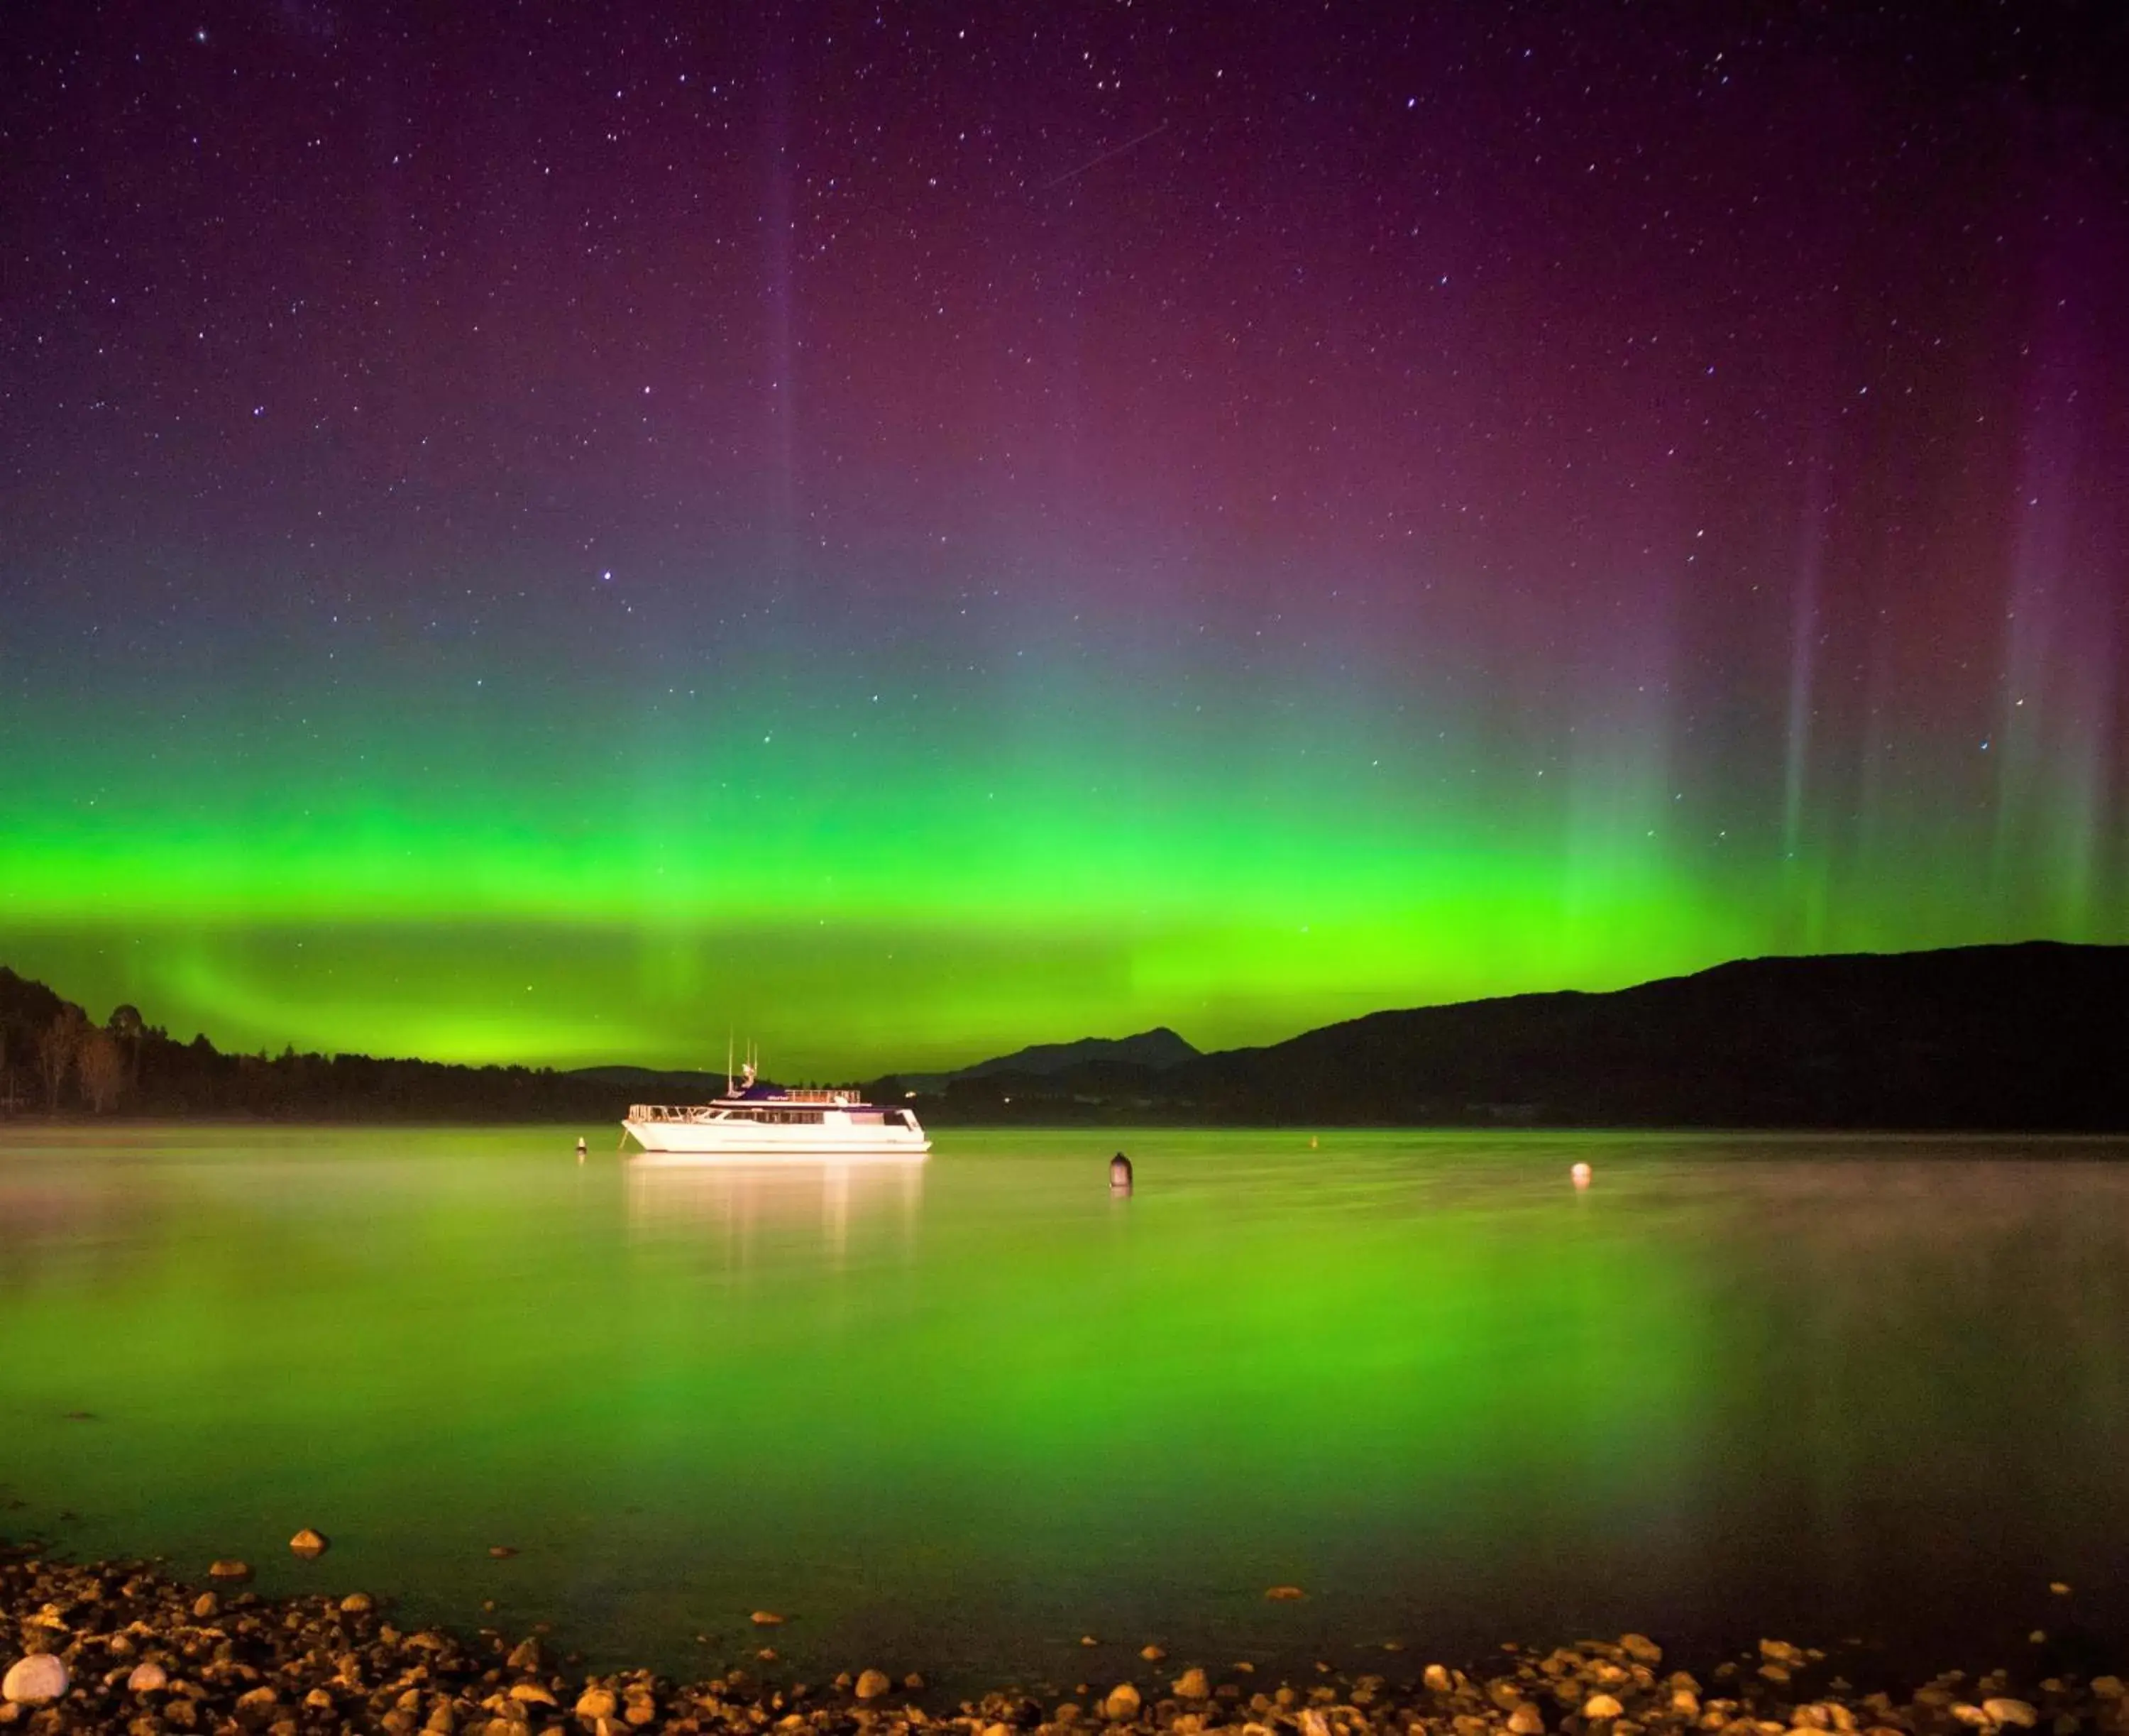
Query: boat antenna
728,1049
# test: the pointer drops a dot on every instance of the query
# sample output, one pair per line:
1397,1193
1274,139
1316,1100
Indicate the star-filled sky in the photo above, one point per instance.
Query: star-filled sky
559,532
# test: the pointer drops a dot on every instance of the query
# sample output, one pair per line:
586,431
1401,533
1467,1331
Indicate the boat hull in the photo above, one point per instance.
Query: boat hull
697,1142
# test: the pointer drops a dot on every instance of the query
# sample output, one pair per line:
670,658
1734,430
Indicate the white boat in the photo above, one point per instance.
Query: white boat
757,1121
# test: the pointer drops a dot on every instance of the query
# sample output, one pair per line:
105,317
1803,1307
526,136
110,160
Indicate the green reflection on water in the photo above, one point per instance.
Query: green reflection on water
960,1414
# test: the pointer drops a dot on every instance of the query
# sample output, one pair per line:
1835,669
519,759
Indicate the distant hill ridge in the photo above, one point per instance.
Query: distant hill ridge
2028,1036
1158,1048
1155,1050
54,1059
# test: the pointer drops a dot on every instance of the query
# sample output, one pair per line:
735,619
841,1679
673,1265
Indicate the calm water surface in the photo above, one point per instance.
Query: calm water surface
957,1417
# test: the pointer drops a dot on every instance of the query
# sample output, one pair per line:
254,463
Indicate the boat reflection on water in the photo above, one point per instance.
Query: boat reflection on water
783,1204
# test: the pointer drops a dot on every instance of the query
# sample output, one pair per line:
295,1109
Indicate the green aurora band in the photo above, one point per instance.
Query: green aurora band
529,866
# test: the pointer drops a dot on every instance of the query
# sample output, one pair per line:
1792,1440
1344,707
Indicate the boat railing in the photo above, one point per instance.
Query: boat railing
699,1111
665,1112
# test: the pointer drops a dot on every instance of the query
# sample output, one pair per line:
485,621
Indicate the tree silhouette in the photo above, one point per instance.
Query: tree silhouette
127,1026
57,1044
102,1066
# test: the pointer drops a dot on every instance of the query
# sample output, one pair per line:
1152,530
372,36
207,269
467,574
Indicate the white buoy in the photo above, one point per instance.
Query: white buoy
580,1149
1580,1172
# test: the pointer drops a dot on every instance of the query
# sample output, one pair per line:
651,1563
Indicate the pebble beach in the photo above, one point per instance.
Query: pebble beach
123,1646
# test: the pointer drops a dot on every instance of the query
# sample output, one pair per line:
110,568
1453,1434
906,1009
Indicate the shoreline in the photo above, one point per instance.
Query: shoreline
123,1645
129,1121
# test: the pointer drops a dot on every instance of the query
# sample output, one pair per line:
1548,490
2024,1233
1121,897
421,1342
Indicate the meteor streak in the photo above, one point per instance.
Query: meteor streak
1097,161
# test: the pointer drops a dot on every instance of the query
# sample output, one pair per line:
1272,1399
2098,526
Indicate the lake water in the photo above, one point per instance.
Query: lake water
955,1417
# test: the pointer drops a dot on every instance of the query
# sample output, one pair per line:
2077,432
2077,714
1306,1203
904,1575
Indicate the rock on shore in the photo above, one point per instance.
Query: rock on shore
118,1647
35,1679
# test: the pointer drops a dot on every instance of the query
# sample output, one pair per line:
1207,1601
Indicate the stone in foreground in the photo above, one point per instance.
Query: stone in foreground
35,1679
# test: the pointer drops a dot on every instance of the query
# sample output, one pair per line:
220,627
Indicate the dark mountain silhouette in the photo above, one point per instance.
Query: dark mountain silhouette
160,1075
2030,1035
1156,1049
2034,1036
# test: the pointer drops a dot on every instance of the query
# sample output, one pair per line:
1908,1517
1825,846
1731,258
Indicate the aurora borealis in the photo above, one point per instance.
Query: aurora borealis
904,532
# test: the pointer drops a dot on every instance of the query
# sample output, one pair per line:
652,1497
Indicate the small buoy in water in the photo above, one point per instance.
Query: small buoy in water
1120,1174
1311,1142
1580,1172
580,1148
